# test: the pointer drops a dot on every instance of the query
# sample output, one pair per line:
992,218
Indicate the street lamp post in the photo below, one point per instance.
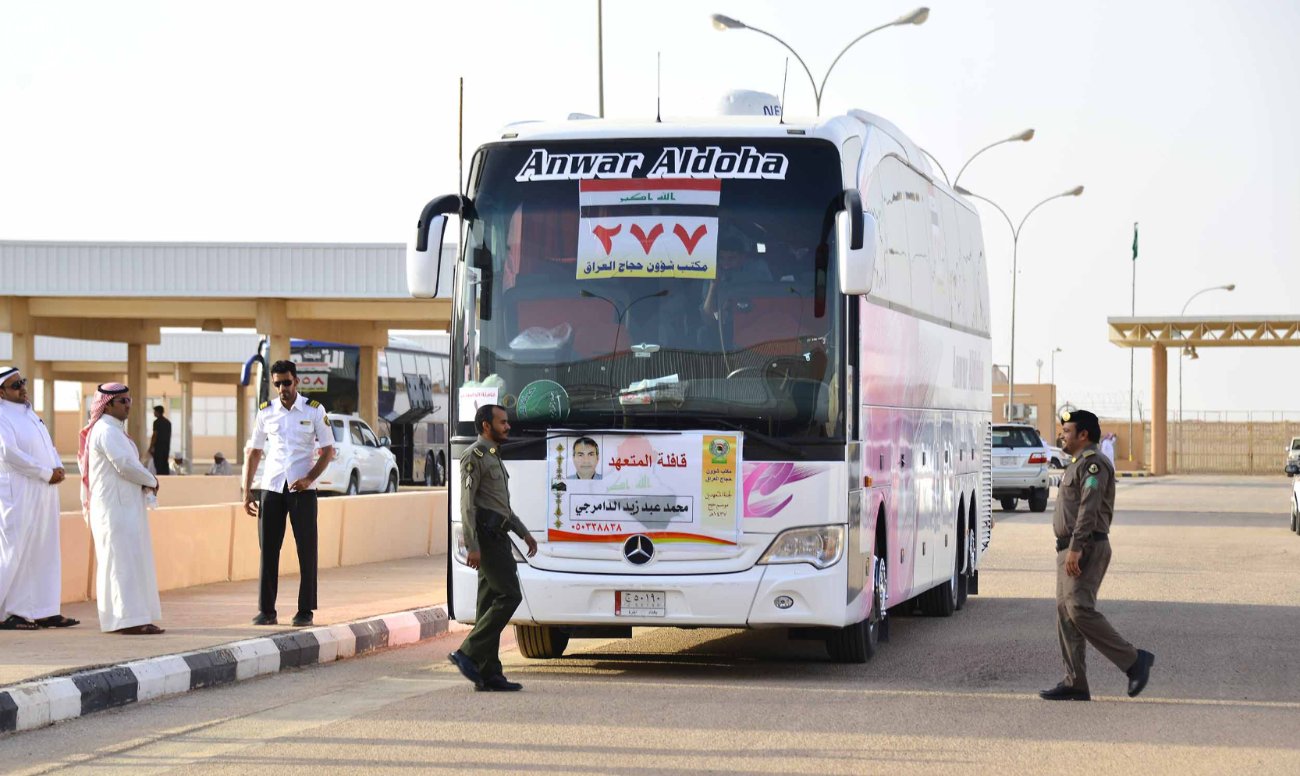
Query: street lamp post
1054,352
722,23
1023,137
1015,249
1183,353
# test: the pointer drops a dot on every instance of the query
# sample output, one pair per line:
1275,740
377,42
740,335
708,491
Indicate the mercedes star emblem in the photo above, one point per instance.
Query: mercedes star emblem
638,549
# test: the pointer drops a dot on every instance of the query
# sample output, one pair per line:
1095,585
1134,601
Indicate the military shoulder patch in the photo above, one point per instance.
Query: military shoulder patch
264,405
1092,468
1090,483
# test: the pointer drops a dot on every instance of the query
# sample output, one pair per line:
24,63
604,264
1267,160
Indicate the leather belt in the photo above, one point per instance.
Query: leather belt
490,520
1097,536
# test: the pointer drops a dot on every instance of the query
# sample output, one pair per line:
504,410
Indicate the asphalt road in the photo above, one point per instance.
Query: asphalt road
1204,574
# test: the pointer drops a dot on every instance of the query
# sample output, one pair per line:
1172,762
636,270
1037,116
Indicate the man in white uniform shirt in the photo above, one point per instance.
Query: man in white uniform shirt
290,429
30,471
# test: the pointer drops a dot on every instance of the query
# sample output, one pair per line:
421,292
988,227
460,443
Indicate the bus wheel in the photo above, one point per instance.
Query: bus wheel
541,642
963,581
942,600
859,642
429,475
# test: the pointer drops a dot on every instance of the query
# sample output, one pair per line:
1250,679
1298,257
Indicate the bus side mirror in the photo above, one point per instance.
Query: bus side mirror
856,237
428,272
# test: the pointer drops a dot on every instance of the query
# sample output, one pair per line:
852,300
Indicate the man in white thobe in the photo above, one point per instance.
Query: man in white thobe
30,471
113,492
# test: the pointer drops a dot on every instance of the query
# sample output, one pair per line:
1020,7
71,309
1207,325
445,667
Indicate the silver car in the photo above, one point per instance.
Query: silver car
1020,467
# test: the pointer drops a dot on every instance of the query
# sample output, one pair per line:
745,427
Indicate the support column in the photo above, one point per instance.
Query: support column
1159,409
137,379
273,323
47,399
241,422
368,386
186,378
14,318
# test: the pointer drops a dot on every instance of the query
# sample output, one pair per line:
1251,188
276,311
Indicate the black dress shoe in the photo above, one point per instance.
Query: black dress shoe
1064,692
1140,672
302,618
466,667
499,683
265,618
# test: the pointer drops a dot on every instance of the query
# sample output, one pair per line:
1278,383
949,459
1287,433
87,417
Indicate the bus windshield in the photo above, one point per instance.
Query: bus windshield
644,299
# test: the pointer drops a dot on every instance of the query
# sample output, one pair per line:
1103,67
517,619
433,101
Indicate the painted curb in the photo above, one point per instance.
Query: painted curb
45,701
1134,474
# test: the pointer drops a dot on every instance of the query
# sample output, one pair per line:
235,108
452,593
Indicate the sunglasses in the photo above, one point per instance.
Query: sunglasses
17,385
282,383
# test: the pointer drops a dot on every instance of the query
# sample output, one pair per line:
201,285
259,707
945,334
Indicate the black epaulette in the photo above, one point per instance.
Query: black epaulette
313,403
264,405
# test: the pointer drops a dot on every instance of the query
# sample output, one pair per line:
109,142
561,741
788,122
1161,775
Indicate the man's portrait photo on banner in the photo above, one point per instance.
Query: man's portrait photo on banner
586,459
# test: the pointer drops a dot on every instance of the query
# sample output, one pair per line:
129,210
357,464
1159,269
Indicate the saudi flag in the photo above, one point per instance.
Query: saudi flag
1135,241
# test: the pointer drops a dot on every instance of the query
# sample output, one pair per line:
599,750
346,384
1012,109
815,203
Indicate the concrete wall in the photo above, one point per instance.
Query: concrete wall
194,490
201,544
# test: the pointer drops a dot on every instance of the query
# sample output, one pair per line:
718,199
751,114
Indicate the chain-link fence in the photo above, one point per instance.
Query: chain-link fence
1228,442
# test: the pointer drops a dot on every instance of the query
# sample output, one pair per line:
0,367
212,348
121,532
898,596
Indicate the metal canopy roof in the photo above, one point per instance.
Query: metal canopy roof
1206,331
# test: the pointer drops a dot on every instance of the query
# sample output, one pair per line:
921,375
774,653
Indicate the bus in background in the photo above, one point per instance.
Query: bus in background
747,363
413,398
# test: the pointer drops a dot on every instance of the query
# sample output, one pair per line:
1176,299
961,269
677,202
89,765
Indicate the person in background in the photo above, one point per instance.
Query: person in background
1108,447
220,466
160,444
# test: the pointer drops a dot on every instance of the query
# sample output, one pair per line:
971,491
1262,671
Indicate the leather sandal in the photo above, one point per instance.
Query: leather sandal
57,621
142,630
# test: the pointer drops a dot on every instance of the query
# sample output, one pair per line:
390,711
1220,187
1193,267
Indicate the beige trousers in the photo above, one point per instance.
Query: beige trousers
1078,622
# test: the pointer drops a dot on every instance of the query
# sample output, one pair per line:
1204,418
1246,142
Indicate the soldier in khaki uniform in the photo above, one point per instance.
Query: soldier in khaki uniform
485,517
1085,504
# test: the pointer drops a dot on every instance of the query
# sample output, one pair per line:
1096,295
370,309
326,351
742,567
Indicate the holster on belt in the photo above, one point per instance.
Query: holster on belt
1097,536
490,521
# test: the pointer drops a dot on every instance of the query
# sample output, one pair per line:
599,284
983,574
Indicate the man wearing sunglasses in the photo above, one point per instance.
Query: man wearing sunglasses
30,471
290,428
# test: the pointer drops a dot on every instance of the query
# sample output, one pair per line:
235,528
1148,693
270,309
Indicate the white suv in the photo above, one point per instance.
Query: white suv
362,462
1020,467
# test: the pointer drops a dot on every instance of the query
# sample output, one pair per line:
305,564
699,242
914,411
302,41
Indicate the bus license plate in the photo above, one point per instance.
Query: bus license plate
639,603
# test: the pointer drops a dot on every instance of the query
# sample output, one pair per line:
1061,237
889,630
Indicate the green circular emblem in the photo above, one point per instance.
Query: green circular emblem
542,400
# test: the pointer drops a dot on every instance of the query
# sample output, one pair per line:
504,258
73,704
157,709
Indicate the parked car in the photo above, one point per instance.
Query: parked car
1057,458
362,462
1020,467
1293,452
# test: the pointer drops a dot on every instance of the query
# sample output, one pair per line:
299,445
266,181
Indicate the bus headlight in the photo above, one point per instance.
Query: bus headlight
820,546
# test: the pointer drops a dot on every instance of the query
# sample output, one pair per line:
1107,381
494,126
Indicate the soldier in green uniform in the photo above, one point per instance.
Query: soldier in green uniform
1085,504
485,517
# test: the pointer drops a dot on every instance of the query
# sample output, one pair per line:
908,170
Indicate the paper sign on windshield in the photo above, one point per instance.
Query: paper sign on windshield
669,487
644,228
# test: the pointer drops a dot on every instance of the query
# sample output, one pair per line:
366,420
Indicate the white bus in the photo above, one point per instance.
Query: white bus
747,364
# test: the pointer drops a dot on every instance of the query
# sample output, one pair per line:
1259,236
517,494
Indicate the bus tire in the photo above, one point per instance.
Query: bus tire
1008,504
430,475
1038,500
859,642
966,567
541,642
941,601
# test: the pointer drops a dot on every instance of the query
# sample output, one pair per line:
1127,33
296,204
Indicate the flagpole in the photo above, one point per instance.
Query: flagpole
1131,351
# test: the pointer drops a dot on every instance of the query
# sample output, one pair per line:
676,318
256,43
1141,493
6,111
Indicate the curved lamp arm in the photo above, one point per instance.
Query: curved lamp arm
1074,192
1024,137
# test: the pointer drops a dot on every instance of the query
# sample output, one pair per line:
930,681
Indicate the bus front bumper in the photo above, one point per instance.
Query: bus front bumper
746,599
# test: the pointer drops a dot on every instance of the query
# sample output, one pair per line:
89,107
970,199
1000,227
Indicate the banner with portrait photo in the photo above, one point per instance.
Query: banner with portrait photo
679,487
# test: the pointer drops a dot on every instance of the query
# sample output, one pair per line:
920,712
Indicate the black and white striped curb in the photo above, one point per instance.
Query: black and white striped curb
46,701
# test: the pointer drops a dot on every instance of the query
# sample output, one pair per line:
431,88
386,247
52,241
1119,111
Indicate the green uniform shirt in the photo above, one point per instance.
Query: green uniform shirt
1085,499
484,484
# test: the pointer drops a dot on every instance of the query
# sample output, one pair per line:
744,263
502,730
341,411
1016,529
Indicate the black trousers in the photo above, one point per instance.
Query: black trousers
162,465
300,508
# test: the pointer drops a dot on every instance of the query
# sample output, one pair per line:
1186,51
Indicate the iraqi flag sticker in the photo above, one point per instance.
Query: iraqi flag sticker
644,228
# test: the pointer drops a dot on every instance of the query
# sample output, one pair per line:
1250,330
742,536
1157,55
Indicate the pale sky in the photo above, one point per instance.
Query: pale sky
319,121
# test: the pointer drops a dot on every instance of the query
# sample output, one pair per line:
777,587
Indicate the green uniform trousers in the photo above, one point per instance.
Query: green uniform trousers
1078,623
498,597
